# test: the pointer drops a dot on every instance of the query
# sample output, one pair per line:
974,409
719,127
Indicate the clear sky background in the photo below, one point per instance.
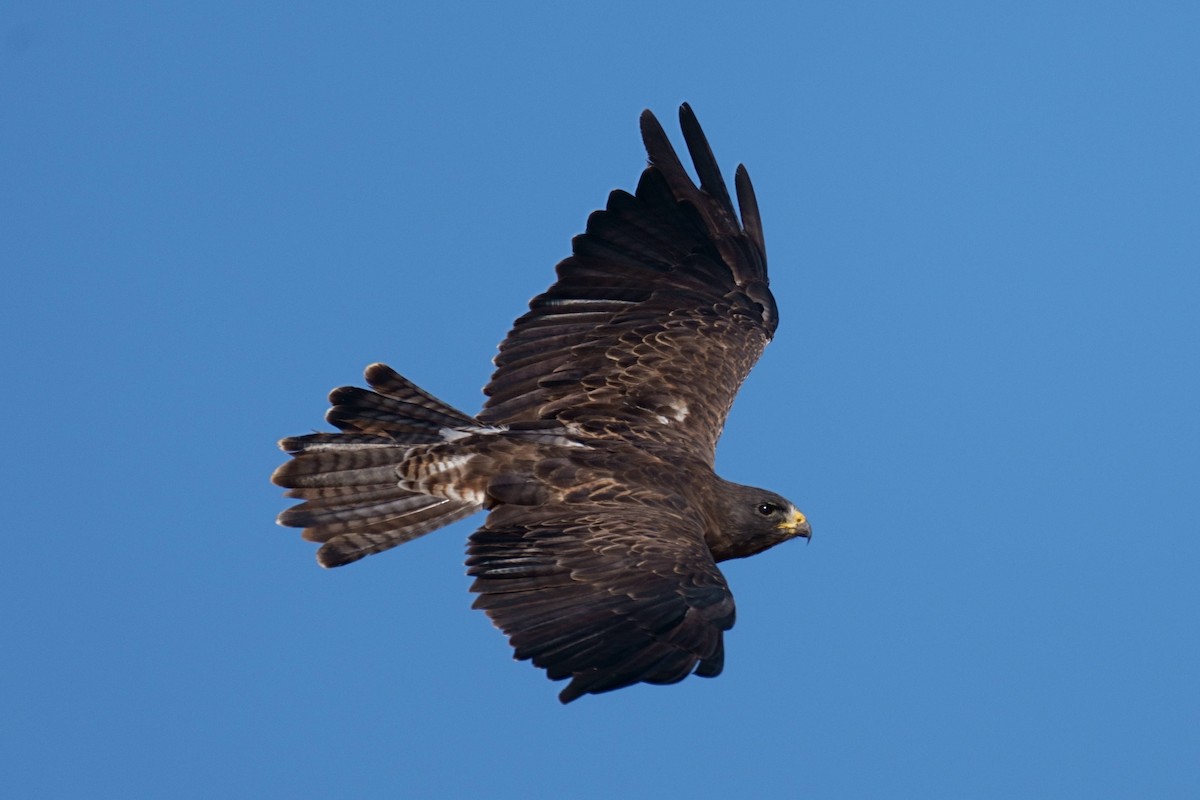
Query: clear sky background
982,225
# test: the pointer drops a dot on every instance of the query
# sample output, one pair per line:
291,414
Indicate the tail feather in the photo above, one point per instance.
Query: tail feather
384,535
339,465
333,495
350,481
396,408
342,515
389,383
293,444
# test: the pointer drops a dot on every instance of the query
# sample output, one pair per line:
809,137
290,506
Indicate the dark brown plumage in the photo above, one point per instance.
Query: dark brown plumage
594,451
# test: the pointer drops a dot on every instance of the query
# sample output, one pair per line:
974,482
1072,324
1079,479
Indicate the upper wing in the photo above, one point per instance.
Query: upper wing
656,318
608,595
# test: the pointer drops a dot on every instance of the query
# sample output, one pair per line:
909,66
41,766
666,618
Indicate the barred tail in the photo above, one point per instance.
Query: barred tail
349,482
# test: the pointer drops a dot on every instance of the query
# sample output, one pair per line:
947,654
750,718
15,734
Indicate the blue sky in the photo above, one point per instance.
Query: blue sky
982,227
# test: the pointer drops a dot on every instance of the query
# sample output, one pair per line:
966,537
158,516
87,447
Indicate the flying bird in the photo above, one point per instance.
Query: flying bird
593,454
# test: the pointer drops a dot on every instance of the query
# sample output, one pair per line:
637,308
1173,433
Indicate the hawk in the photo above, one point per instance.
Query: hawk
593,454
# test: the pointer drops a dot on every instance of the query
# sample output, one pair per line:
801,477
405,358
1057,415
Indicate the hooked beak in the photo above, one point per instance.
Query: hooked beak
797,525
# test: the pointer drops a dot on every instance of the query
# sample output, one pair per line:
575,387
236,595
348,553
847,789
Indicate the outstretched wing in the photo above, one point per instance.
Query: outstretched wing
656,318
608,595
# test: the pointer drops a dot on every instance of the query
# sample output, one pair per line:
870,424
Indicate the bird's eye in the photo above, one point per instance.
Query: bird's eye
767,509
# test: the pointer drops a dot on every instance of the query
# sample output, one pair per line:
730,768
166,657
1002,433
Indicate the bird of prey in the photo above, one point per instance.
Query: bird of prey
593,454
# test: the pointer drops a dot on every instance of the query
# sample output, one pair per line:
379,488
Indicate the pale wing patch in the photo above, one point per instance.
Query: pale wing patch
454,434
678,412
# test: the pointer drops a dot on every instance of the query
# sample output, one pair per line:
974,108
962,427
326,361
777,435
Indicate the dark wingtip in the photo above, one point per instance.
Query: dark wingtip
570,694
654,137
748,206
711,180
687,117
712,666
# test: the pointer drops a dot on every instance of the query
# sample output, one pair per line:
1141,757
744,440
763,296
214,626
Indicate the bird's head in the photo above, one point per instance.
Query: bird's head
754,520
